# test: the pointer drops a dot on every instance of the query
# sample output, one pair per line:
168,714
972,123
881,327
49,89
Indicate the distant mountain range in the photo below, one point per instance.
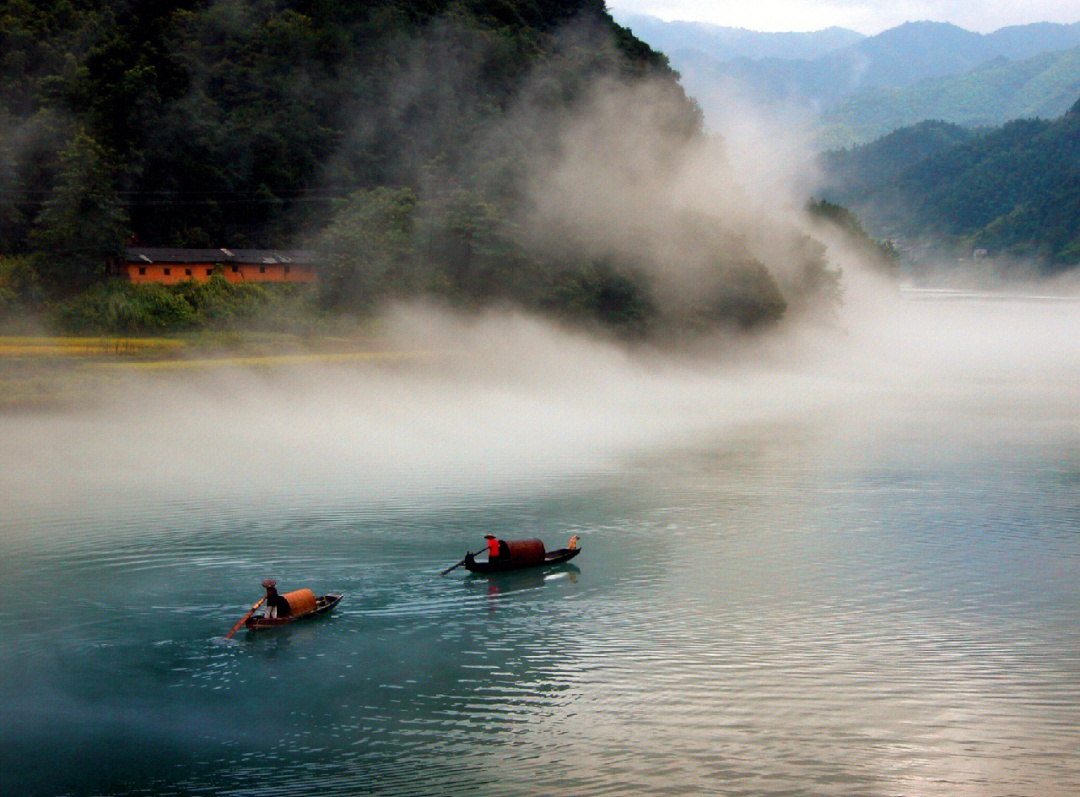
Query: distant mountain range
718,44
1010,192
1043,86
861,87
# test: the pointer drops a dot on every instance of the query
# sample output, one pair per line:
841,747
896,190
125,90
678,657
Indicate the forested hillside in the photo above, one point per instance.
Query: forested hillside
404,139
991,94
219,120
1013,191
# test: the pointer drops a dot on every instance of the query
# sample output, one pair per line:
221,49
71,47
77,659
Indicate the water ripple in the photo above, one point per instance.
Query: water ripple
763,627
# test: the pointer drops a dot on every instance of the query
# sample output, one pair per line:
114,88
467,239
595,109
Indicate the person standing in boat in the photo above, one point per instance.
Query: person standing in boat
276,605
496,548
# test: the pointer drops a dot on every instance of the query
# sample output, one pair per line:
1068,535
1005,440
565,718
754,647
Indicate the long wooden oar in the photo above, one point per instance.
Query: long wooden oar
243,619
459,564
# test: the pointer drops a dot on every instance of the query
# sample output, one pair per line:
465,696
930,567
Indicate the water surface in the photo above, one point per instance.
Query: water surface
874,595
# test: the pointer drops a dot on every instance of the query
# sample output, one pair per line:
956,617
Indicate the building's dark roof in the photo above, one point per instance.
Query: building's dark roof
300,257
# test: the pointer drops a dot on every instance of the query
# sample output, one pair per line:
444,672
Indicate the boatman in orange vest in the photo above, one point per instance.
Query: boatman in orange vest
495,547
276,605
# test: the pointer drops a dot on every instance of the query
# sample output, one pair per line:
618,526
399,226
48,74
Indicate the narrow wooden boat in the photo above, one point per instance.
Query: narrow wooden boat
323,604
549,558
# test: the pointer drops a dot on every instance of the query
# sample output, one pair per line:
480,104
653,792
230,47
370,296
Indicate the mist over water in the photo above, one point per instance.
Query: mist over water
835,556
835,560
507,397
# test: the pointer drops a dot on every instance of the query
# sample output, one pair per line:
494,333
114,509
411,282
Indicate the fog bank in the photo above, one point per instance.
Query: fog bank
508,403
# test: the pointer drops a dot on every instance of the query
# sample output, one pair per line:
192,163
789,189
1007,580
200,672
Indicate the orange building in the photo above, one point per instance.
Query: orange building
169,266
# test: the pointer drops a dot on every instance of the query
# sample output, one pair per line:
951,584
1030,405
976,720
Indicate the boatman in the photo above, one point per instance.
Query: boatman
276,605
496,547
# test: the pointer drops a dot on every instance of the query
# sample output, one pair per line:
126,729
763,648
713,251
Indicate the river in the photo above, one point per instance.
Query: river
852,573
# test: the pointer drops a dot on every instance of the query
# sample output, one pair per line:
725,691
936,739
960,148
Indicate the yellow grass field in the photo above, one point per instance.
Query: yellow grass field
30,346
39,372
282,360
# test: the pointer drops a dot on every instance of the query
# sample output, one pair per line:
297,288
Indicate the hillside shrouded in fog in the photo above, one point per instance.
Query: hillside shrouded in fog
535,153
1011,193
961,145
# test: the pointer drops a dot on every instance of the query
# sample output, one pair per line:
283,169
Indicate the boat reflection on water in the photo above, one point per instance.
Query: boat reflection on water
303,634
521,580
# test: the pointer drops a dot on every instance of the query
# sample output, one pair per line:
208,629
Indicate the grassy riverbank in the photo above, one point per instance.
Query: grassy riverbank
46,371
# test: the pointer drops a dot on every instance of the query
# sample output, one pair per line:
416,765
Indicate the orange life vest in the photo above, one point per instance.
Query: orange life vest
493,548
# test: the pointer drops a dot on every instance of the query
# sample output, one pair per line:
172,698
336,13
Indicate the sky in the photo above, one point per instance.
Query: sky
865,16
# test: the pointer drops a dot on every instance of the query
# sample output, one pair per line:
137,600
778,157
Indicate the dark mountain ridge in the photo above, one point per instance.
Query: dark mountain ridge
1009,192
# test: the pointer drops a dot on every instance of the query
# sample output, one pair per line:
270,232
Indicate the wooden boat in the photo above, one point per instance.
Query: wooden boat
322,604
522,554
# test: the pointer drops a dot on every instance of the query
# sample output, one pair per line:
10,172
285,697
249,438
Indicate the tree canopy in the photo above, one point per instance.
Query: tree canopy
1012,190
395,136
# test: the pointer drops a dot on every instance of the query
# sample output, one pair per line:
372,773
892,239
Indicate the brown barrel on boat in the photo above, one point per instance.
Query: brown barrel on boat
301,601
526,552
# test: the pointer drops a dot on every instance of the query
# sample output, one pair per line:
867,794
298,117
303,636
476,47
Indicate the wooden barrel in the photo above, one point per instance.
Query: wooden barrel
526,552
300,601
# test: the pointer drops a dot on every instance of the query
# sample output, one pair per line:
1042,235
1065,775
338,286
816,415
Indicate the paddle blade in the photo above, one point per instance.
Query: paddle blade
452,567
243,619
459,564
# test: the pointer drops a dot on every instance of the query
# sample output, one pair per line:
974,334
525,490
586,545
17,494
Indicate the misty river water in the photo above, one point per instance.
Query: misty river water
845,575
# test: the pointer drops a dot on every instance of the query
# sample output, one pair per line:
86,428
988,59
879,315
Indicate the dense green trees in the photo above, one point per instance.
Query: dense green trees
121,307
82,222
882,254
241,120
220,117
396,136
1013,191
369,248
